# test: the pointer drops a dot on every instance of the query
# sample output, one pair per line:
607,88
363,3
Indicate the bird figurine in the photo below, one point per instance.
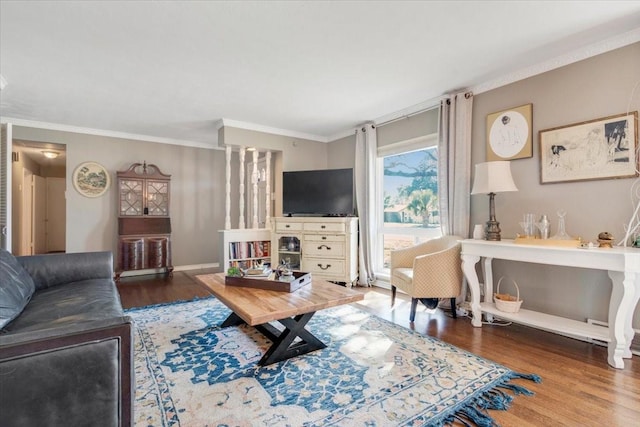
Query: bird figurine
605,239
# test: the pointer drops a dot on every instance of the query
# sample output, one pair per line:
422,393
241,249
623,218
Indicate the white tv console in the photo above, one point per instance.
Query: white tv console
326,247
622,264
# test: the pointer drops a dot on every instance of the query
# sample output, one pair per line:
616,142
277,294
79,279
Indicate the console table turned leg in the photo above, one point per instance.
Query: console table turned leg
469,268
625,293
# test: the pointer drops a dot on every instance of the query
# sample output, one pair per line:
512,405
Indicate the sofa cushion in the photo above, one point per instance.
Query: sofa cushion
75,302
16,288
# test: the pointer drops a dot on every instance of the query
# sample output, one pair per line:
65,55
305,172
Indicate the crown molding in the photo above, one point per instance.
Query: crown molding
108,133
585,52
276,131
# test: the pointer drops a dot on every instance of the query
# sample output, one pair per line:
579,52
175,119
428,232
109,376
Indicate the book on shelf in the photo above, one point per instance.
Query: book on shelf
245,250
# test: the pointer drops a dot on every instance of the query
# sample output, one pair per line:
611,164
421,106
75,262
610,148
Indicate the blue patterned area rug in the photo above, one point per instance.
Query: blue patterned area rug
190,372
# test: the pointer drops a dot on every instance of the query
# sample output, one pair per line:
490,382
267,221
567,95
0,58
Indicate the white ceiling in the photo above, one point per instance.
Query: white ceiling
170,71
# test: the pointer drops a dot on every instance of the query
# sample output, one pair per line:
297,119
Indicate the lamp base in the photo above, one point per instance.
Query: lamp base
493,231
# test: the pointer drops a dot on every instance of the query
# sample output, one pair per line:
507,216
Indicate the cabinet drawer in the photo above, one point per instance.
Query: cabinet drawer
323,249
288,226
324,227
329,267
323,238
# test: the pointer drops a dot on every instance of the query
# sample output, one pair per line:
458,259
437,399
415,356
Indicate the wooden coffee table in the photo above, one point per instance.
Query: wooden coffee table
258,307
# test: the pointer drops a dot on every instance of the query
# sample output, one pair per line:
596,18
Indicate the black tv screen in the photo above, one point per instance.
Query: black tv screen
318,192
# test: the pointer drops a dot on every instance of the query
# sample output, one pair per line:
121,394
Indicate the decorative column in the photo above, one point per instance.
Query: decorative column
227,203
267,177
255,178
241,201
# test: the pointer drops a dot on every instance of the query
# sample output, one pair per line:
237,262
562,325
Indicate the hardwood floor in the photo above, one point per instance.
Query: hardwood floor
578,387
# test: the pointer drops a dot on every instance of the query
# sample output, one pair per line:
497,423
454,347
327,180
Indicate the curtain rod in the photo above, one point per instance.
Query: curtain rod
431,104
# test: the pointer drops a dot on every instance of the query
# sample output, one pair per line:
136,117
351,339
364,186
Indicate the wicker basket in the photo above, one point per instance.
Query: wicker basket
506,302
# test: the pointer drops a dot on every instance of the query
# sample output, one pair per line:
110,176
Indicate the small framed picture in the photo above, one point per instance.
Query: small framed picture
91,179
509,134
597,149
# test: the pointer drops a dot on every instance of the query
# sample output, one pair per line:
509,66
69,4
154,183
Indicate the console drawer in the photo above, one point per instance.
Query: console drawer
324,267
323,238
324,227
288,226
323,249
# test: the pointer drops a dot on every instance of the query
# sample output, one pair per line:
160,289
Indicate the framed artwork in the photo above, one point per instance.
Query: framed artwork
91,179
509,134
597,149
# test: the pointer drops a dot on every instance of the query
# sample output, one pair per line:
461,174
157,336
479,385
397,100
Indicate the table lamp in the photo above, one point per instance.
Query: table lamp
491,178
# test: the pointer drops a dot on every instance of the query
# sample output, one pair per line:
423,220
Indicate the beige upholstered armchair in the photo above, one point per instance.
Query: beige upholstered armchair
428,270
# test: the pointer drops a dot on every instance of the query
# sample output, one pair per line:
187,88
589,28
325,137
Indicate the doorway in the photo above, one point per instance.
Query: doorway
39,205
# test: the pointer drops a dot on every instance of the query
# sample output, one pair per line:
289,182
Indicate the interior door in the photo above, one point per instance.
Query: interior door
56,215
5,186
39,215
26,219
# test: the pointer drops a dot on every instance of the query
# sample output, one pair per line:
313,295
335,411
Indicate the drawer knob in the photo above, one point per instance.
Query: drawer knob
324,237
323,226
287,226
324,268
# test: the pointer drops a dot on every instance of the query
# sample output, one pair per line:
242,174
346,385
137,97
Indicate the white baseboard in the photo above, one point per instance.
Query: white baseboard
635,351
132,273
196,266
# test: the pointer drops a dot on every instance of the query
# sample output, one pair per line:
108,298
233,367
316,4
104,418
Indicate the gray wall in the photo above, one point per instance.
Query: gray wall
342,153
593,88
425,123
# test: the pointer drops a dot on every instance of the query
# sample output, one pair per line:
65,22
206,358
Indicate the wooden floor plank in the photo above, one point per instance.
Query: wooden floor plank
579,388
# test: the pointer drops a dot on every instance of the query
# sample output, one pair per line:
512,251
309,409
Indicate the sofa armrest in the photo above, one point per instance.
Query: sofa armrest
55,269
77,375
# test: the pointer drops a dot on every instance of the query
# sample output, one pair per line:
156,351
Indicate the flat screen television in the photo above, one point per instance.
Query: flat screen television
326,192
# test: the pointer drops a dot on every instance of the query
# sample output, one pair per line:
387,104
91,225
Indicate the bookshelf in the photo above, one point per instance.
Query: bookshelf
244,247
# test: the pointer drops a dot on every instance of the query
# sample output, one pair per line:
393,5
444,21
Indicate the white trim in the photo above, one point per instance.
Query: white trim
585,52
109,133
197,266
275,131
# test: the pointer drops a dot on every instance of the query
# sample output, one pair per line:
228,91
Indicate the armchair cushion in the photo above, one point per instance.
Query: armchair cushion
16,288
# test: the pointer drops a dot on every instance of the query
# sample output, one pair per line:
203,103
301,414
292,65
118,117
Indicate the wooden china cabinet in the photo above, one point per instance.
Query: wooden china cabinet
144,225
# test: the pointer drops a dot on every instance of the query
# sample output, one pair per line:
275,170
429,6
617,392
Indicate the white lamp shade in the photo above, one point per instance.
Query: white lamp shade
493,177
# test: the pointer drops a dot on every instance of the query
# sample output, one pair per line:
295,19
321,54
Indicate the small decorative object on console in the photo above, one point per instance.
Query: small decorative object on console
605,239
505,302
544,226
561,234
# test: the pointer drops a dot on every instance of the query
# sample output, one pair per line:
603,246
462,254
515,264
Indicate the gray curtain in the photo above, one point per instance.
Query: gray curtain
366,146
454,164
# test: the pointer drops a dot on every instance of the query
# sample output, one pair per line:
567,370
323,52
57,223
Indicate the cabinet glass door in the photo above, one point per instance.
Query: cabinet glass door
131,197
157,198
289,251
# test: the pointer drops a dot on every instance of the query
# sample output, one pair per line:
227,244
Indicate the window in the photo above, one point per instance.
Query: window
407,197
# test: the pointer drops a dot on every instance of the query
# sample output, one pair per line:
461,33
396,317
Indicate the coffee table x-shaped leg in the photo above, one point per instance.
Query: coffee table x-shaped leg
284,345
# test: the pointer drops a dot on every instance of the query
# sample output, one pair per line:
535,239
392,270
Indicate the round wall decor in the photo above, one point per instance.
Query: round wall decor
91,179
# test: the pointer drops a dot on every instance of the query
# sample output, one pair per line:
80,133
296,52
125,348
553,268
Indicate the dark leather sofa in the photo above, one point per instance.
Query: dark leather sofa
67,358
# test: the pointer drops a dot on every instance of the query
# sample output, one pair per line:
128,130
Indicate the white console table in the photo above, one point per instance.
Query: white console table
622,264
